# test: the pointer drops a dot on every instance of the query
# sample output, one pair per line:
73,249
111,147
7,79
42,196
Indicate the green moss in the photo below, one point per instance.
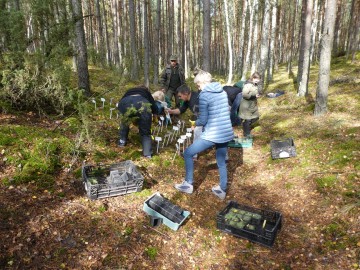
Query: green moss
325,182
151,252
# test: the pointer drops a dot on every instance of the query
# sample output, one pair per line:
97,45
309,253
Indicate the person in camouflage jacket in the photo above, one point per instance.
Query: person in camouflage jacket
171,78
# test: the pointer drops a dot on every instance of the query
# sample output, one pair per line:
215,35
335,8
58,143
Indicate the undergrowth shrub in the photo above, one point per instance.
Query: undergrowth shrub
36,85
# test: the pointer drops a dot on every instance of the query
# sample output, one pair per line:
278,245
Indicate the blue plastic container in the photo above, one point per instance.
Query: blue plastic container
156,215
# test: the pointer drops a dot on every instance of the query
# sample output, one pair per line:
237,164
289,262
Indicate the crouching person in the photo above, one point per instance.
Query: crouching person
137,106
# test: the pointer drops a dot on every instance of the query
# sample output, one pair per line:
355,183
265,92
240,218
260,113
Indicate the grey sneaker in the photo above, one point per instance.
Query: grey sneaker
185,187
219,192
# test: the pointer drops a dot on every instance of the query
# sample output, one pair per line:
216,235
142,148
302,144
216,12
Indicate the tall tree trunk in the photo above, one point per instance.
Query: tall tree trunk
337,28
305,48
327,37
229,43
206,37
242,36
313,30
272,42
115,21
186,38
292,42
146,45
255,58
107,41
134,67
249,44
80,48
264,50
350,39
170,27
100,34
157,42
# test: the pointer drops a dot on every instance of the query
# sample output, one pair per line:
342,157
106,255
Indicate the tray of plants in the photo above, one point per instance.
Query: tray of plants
256,225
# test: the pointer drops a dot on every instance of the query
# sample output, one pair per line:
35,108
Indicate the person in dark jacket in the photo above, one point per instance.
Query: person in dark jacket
234,95
171,78
248,110
214,117
190,101
137,106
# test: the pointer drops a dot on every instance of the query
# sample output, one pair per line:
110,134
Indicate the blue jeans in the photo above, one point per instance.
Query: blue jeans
235,120
198,146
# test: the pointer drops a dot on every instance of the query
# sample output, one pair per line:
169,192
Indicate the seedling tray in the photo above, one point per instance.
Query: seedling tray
284,148
241,143
256,225
108,180
159,207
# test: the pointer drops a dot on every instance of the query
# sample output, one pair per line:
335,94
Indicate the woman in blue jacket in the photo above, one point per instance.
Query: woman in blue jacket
214,116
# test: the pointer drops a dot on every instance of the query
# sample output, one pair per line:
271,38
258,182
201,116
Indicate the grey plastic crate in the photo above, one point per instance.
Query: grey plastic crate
283,148
108,180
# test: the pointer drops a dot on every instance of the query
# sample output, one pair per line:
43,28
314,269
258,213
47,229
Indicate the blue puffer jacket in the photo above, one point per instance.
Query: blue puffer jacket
214,114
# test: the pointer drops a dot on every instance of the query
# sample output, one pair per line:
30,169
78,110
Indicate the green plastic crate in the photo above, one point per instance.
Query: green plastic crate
241,143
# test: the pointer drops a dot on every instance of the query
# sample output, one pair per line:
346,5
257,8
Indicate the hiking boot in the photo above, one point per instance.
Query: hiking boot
219,192
185,187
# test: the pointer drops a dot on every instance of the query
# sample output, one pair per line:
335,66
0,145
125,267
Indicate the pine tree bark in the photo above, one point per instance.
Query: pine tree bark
80,48
242,36
146,45
303,81
100,35
264,49
134,66
249,44
229,43
206,37
326,43
115,21
254,61
272,42
157,42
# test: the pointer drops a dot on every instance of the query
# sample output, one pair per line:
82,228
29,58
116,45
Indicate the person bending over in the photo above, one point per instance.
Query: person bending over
137,106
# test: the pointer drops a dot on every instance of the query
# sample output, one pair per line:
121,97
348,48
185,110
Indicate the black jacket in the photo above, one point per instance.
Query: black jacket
145,94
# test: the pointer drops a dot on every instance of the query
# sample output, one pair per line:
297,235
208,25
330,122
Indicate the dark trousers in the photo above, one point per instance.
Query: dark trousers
172,92
246,124
143,120
235,120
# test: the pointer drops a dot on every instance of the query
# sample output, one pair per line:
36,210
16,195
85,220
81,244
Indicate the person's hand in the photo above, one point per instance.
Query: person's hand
192,123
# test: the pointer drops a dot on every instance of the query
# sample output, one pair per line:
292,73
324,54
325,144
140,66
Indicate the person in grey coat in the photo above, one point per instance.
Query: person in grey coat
214,116
248,110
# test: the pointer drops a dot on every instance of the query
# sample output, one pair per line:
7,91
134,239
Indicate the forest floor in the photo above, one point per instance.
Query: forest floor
317,192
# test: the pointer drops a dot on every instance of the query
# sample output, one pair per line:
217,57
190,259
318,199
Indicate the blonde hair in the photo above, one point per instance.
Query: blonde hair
159,96
202,77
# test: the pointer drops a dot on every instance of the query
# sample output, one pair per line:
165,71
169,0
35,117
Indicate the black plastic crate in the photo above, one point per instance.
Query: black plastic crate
262,227
108,180
284,148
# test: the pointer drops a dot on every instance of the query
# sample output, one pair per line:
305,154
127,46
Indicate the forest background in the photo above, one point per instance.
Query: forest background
59,56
